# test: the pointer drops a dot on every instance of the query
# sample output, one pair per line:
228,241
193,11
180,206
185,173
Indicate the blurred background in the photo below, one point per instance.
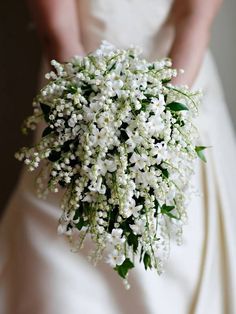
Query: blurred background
20,57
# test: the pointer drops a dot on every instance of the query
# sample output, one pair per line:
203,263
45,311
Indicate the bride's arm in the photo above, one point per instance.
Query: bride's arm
58,27
192,20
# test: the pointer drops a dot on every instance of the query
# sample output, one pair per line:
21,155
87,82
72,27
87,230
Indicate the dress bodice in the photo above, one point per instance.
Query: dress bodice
125,22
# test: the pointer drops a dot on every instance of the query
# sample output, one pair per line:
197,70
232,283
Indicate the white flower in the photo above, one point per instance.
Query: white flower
116,237
155,124
110,165
104,118
140,160
90,197
132,209
162,152
136,210
115,258
72,121
98,137
139,226
133,141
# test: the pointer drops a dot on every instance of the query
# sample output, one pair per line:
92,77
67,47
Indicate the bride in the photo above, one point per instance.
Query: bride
38,273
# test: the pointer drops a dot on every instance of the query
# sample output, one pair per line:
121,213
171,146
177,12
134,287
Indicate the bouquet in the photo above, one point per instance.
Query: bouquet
120,143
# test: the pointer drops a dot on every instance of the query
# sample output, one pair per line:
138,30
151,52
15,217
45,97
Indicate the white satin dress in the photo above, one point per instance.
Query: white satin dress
39,274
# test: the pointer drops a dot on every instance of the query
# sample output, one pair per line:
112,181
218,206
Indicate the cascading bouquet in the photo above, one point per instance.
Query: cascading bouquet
120,141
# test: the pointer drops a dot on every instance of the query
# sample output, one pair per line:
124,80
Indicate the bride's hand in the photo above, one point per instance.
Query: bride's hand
63,52
58,28
192,20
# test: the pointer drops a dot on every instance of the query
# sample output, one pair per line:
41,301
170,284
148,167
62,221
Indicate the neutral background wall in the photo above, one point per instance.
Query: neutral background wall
20,61
223,46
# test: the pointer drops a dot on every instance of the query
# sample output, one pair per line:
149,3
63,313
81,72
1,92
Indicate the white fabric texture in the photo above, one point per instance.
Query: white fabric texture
39,274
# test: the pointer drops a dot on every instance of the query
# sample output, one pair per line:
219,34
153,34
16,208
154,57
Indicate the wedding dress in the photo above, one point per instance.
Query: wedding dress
39,274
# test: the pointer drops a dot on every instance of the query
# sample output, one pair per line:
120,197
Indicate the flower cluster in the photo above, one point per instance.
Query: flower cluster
120,141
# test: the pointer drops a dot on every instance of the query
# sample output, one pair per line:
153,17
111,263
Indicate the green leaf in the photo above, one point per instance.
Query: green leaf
54,156
156,207
82,223
87,90
123,136
125,225
112,217
165,173
86,208
72,89
112,67
78,213
133,241
199,150
156,203
46,131
141,255
167,208
124,268
66,146
176,106
171,215
144,103
62,183
149,96
46,111
151,67
147,261
164,81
